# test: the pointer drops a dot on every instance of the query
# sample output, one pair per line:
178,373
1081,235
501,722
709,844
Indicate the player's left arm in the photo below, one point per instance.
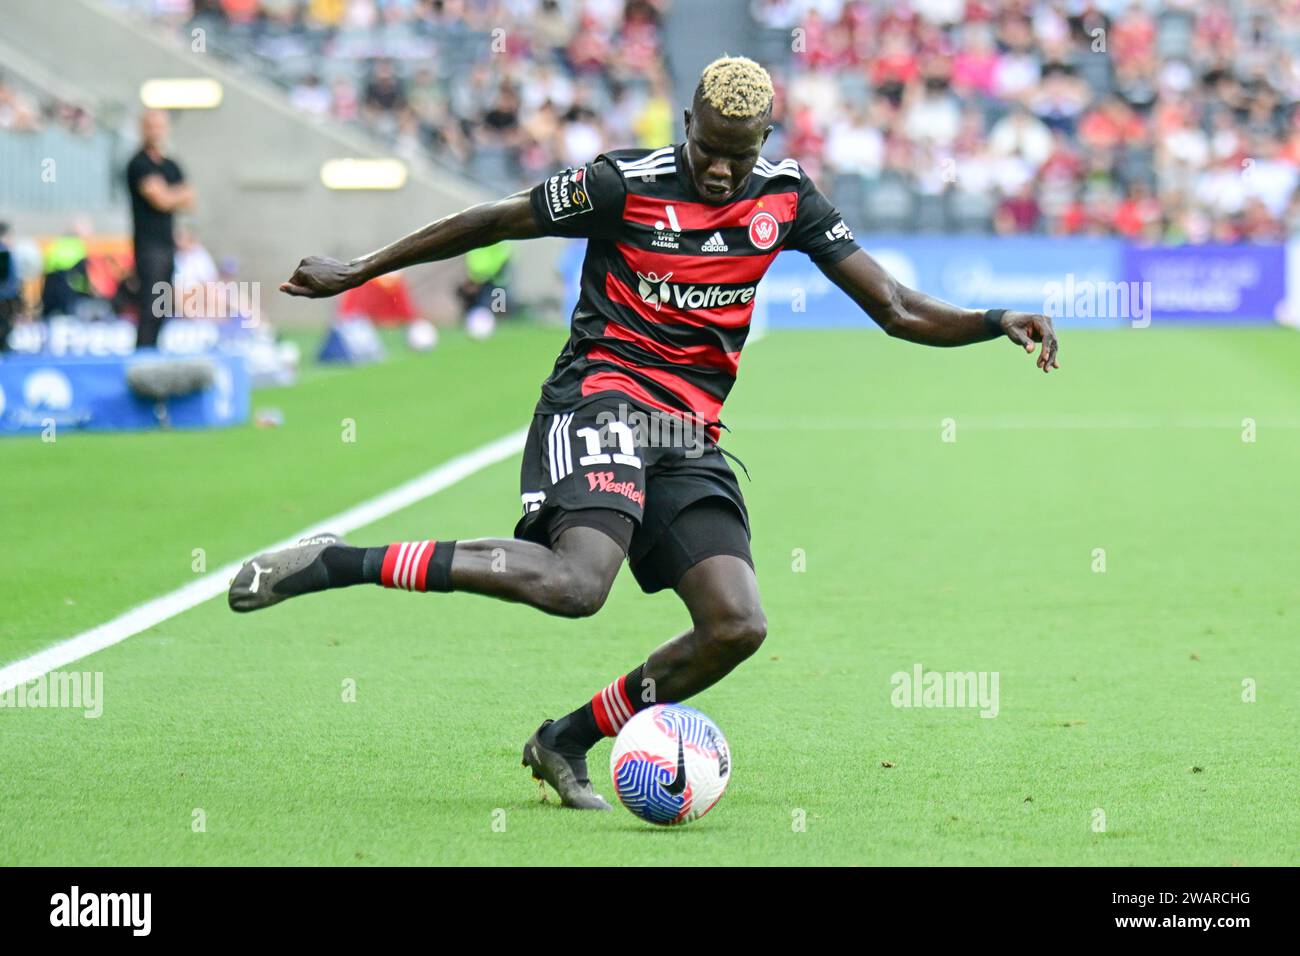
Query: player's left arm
907,314
821,233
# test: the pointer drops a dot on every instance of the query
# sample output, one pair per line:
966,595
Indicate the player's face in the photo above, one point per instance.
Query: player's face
721,152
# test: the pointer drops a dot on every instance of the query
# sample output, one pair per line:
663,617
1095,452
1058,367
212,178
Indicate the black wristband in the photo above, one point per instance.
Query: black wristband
993,321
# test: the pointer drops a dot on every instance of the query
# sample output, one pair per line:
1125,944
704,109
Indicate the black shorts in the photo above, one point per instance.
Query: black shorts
664,493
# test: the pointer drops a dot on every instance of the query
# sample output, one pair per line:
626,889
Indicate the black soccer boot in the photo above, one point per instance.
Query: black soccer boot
279,575
567,775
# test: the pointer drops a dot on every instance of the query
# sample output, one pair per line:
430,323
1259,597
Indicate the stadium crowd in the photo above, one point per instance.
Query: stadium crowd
1171,120
21,112
1167,120
504,89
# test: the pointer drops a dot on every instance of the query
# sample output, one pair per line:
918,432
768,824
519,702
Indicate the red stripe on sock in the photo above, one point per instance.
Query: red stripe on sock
422,571
390,565
602,715
620,686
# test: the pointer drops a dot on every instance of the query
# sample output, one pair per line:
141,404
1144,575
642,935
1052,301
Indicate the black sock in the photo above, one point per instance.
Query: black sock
573,734
578,732
347,565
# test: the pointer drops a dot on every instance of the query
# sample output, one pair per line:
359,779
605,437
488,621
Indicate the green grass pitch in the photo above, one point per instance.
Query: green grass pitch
1120,692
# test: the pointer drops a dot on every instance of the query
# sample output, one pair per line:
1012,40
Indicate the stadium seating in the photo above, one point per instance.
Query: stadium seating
1166,62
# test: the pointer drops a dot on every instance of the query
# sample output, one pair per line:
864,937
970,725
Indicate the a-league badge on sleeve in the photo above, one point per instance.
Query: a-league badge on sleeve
566,194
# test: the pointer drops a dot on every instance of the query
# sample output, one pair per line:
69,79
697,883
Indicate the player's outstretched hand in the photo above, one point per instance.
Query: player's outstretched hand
318,277
1026,328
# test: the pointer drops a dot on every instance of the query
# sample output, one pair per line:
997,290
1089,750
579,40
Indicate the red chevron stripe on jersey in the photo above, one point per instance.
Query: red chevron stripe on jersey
707,356
707,269
648,211
706,406
596,382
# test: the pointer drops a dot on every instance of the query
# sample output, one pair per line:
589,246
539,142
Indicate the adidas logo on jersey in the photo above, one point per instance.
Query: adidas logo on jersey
714,244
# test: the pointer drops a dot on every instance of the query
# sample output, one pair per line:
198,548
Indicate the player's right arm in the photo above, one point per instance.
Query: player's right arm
482,225
574,202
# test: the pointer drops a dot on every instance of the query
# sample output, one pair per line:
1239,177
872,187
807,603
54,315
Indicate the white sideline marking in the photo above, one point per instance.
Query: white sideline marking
216,582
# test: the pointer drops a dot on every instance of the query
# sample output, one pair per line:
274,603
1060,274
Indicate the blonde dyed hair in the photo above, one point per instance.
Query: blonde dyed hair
736,87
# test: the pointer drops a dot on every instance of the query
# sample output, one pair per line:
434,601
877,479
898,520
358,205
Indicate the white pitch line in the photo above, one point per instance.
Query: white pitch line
216,582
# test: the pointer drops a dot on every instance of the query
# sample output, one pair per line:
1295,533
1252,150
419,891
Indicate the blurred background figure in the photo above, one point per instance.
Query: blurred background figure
483,293
17,112
10,288
195,270
66,287
158,190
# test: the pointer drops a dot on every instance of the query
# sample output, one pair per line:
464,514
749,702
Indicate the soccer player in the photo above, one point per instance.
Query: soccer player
678,239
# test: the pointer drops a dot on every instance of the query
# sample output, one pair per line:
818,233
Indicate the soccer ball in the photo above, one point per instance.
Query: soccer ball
421,335
670,764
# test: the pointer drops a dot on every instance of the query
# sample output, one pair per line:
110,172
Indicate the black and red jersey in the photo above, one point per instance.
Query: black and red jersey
669,281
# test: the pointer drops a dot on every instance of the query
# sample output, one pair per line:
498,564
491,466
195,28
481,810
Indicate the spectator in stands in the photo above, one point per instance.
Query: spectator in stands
1018,213
1060,99
11,289
17,112
311,96
384,98
974,68
158,190
552,29
653,122
195,270
484,291
500,125
1021,134
344,100
66,286
856,146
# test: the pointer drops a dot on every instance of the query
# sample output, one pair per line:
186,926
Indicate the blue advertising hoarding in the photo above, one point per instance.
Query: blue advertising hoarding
978,273
1242,283
91,393
1081,282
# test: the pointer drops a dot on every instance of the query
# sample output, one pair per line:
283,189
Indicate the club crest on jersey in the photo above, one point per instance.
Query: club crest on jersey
763,230
653,289
566,195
